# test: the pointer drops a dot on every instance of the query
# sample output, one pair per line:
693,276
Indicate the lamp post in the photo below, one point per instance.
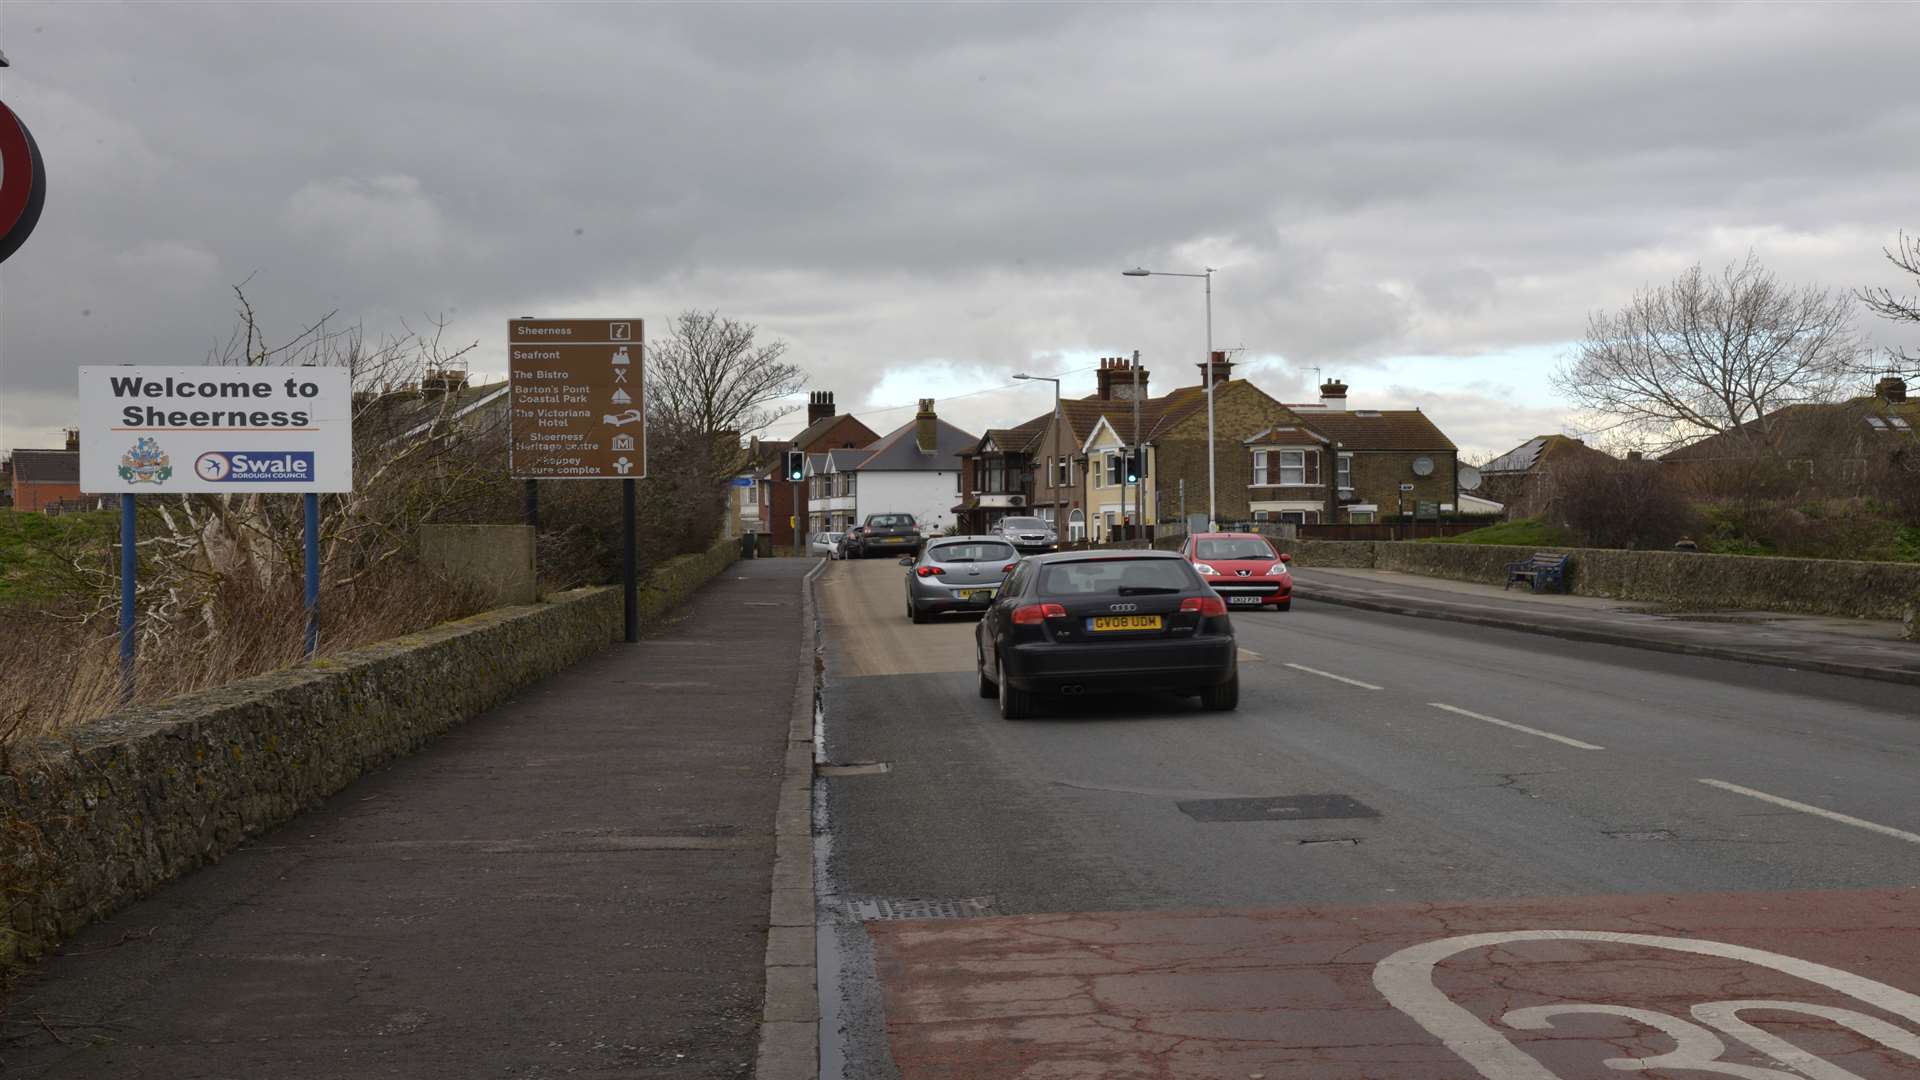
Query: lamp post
1053,479
1139,271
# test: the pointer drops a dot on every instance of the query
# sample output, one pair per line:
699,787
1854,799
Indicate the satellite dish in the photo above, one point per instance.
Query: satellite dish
1423,466
1469,478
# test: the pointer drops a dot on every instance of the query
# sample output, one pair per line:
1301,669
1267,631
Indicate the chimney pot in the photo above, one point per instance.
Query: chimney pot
1218,371
819,406
1333,395
1891,389
926,425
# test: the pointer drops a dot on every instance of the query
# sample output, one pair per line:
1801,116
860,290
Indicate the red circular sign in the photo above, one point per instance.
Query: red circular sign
23,183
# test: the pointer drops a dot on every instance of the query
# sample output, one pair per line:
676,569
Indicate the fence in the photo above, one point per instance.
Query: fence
1406,530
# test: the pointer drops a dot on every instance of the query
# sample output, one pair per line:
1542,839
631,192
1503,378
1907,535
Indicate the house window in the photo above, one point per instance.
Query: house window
1063,471
1296,517
750,496
1293,469
1260,515
1114,476
1361,517
1290,468
1259,468
1346,472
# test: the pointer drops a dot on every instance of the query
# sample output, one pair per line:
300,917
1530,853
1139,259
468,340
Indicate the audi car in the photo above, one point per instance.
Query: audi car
1031,535
1243,568
1094,622
956,573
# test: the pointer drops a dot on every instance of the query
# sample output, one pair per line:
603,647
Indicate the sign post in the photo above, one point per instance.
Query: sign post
215,430
578,411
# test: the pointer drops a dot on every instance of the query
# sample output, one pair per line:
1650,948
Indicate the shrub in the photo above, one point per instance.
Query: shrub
1619,504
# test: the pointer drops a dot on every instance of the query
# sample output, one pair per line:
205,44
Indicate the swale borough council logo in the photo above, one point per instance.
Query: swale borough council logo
146,463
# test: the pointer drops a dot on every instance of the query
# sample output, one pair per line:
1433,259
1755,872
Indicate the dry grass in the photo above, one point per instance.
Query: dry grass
62,670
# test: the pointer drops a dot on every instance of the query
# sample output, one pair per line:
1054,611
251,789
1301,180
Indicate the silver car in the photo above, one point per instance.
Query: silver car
1030,534
956,573
826,544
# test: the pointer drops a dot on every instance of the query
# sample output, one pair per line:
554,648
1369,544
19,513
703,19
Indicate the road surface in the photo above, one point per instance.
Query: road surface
1138,888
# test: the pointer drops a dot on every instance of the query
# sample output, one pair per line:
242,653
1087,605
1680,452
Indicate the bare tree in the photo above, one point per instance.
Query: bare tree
708,377
1905,254
1711,353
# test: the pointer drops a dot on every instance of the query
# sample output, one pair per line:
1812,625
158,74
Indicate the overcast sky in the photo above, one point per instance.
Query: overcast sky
1424,200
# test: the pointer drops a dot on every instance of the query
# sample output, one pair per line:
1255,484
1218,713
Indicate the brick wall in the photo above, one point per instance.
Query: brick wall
1378,474
1240,411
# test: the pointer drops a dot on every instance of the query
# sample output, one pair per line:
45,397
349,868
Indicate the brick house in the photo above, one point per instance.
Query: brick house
1376,452
998,476
1845,446
1516,476
45,478
826,429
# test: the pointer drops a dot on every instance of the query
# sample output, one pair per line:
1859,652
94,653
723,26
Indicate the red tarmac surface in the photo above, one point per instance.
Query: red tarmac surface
1558,989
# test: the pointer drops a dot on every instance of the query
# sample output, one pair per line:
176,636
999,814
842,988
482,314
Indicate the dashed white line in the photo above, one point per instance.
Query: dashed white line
1816,811
1335,678
1576,743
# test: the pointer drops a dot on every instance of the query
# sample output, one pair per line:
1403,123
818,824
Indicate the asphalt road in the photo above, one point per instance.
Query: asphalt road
1475,767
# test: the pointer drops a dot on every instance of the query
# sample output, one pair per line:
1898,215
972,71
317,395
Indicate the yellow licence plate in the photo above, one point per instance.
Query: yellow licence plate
976,594
1124,622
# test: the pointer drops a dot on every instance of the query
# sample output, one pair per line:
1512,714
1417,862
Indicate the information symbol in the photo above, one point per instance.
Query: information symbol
619,331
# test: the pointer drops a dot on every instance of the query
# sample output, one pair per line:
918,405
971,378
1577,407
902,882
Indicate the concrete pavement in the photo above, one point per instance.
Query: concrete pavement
1860,647
577,883
1133,887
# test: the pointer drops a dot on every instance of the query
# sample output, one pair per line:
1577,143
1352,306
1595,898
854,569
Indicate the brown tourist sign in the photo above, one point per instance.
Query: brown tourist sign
578,403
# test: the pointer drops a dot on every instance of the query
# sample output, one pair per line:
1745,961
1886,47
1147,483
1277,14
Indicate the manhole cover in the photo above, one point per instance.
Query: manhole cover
877,908
1277,808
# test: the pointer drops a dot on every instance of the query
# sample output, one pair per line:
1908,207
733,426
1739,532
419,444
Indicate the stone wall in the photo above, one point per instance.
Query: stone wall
1868,590
94,820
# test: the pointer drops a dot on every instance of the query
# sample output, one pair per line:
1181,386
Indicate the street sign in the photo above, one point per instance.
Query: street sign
1426,509
220,429
578,399
23,183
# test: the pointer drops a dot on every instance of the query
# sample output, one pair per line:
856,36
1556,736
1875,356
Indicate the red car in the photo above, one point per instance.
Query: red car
1243,568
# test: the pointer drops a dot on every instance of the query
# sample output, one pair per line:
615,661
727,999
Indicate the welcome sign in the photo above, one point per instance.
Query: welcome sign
215,429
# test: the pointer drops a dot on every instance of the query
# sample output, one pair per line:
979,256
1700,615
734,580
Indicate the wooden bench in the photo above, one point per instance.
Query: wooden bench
1545,572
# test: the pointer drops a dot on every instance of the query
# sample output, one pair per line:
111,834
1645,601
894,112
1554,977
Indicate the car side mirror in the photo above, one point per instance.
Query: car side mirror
906,560
1284,557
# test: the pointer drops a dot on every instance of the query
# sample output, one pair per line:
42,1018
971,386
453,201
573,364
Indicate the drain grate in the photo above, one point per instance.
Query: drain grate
889,908
1277,808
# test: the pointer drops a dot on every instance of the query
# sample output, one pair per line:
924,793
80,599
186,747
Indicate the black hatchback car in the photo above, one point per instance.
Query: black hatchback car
1089,622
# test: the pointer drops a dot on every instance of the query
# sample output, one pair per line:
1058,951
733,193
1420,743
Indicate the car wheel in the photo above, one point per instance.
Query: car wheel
1222,698
1285,605
987,687
1014,704
915,615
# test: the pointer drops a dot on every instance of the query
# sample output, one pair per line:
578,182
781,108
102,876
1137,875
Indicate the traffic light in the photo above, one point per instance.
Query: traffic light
1136,465
796,465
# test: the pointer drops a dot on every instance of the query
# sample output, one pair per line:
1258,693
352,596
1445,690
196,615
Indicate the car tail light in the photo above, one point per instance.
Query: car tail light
1035,614
1204,605
929,571
1008,569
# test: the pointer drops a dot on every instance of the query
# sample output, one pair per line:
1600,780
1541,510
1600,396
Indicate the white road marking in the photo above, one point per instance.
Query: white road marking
1816,811
1576,743
1335,678
1249,654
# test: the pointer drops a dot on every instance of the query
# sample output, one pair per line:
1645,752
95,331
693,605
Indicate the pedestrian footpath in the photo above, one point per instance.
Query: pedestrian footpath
1859,647
576,883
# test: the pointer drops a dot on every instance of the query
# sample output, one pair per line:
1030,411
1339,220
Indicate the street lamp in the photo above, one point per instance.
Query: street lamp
1053,479
1141,271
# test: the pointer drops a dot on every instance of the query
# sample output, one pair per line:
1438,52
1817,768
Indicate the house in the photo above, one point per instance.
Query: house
913,469
44,479
826,429
833,489
1518,477
1384,461
996,478
1839,446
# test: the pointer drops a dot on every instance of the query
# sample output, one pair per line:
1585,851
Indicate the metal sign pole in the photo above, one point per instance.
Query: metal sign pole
310,507
533,503
628,584
128,536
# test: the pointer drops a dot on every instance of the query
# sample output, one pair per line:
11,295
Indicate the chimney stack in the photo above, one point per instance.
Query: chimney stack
1116,375
819,406
926,427
1892,389
1218,371
1333,395
73,438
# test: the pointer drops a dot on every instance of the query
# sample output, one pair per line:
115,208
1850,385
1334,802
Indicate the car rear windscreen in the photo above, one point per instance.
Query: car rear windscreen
1030,524
1116,577
1233,549
885,520
972,551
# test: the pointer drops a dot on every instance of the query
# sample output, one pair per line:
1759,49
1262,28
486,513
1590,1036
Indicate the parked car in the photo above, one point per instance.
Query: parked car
826,544
956,573
1031,535
1075,623
1243,568
884,533
850,543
